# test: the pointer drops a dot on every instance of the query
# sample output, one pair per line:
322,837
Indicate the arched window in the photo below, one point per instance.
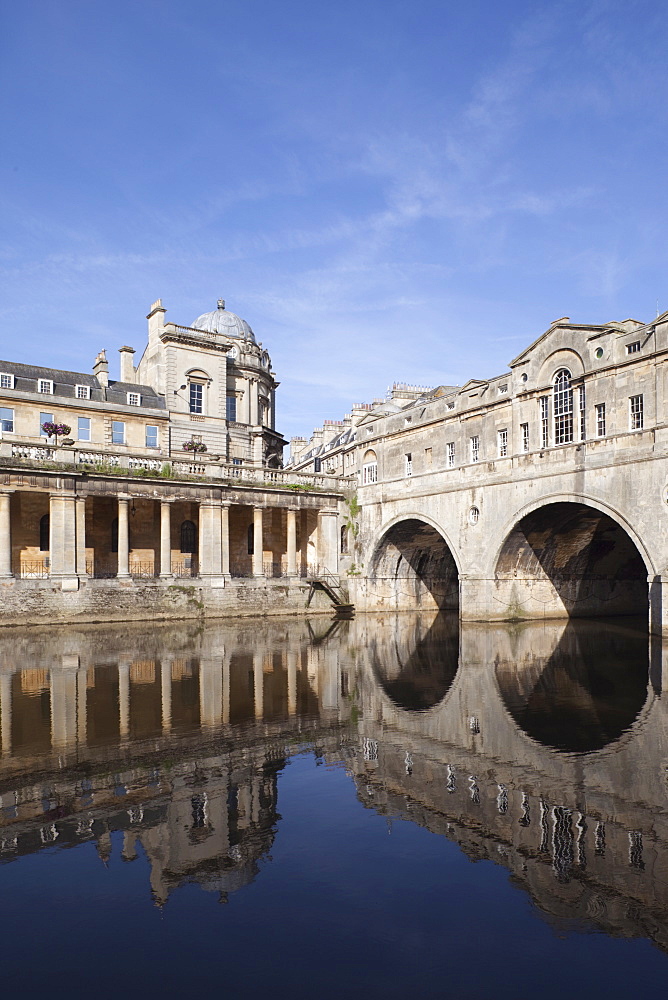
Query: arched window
44,533
114,535
562,396
251,539
188,537
369,468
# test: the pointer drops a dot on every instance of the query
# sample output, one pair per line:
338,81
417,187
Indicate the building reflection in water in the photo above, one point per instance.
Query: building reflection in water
542,747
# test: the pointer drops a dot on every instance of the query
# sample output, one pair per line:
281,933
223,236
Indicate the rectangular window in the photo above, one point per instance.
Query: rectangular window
6,419
583,414
83,430
117,432
317,465
544,421
636,413
237,461
44,418
45,385
600,420
450,454
370,473
503,443
633,348
428,456
408,464
151,436
6,381
82,391
134,399
232,408
525,436
475,448
196,397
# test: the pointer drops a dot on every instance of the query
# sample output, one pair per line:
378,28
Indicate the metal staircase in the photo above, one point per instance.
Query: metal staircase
320,578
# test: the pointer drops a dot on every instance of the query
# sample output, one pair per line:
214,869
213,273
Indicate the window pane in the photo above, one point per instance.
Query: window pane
44,418
6,418
84,429
196,395
117,432
151,436
231,407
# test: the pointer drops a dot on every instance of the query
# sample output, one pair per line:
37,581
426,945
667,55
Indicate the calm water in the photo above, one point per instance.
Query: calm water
309,809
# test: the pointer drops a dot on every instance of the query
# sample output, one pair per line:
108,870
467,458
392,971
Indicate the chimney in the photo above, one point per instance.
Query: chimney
127,367
156,320
101,369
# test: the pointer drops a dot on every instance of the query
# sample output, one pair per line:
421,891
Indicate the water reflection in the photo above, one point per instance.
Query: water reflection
540,747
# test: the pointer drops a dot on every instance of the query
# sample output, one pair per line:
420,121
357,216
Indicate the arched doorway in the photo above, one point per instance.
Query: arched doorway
413,568
567,559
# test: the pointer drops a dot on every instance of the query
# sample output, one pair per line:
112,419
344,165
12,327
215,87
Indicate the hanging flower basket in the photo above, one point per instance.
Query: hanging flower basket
195,446
53,430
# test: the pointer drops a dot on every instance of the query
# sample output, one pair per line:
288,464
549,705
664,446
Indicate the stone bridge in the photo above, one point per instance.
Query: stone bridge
539,494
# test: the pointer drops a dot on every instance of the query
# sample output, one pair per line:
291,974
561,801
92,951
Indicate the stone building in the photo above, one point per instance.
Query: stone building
172,471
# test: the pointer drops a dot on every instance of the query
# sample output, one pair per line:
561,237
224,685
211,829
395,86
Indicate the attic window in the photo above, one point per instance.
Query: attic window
134,399
6,381
45,385
502,389
451,405
82,391
633,348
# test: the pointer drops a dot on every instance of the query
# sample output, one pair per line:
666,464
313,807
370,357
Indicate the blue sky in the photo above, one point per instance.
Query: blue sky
386,190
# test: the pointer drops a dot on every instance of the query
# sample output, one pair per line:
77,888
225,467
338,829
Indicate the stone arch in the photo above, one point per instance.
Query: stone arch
412,566
414,668
570,556
563,358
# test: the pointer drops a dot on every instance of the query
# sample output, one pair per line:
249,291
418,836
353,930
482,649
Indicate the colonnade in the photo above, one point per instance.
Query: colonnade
67,538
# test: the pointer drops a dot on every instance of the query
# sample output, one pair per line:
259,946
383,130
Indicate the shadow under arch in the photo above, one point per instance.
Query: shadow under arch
413,567
587,693
573,559
416,668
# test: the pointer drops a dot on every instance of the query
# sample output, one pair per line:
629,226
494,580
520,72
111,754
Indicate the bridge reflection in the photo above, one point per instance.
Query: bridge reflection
542,747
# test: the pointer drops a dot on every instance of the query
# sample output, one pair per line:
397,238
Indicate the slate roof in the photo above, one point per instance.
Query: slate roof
64,382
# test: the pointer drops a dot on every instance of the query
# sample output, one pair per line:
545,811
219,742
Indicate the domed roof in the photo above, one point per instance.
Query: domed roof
221,320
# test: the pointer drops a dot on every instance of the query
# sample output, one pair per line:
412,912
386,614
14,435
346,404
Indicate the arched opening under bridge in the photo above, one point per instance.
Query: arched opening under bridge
416,664
568,559
413,568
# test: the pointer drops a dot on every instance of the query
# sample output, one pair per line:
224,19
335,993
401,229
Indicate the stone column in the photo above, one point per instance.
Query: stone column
124,699
166,694
123,539
5,534
63,536
258,449
258,542
292,681
225,539
292,542
81,535
253,390
303,541
165,539
258,685
6,712
209,539
328,539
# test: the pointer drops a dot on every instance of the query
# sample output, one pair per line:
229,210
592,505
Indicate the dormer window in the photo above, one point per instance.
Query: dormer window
633,348
6,381
82,391
134,399
503,389
45,385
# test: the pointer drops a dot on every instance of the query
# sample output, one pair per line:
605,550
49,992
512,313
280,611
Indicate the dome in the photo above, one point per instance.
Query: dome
221,320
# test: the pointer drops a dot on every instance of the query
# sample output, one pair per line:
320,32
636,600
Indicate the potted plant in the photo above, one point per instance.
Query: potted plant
55,431
197,447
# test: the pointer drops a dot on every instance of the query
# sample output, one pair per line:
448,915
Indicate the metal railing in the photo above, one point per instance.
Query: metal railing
184,568
34,569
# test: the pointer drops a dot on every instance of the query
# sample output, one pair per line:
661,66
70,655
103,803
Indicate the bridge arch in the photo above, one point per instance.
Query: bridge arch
413,566
568,555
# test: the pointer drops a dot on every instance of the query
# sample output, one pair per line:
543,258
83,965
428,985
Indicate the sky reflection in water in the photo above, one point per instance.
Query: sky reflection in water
293,809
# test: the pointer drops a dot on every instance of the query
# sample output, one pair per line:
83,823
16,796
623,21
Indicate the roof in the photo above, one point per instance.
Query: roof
65,382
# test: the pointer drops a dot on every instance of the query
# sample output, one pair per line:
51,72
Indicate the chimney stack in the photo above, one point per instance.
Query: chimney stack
101,369
127,366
